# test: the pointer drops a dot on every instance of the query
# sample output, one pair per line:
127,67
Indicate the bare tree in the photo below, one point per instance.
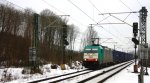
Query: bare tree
89,33
72,36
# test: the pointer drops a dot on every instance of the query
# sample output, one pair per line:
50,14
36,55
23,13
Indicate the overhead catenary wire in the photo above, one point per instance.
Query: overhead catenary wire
109,32
90,17
78,22
127,16
99,33
105,18
120,20
62,12
111,14
98,11
119,13
139,3
101,12
82,11
14,4
53,6
127,7
94,6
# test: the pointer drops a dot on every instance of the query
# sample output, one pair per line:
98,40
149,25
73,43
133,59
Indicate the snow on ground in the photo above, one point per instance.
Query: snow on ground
14,75
127,76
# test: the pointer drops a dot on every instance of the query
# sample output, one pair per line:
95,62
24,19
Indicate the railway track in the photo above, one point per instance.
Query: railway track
87,75
54,77
103,76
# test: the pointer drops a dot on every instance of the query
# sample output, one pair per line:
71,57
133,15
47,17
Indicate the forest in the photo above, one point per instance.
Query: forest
16,31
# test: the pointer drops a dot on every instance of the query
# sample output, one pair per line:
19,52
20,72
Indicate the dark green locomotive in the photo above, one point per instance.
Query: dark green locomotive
96,55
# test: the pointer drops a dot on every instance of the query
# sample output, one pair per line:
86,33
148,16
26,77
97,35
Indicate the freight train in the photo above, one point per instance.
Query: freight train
97,56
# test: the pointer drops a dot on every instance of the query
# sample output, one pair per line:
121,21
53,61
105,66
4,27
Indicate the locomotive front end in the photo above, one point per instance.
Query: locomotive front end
91,56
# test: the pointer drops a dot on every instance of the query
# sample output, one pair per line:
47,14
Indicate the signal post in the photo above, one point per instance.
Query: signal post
136,42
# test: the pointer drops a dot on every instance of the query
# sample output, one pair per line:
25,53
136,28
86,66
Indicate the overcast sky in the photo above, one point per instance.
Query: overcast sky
85,12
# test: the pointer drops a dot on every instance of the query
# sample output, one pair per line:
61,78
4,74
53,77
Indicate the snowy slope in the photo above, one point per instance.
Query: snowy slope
127,76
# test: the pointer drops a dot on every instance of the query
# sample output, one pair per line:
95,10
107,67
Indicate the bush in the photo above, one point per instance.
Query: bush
54,66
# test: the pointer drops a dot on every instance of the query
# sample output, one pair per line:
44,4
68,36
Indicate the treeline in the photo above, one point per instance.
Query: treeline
16,37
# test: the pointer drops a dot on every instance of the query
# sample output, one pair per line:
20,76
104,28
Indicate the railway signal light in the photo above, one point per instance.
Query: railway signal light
135,28
64,33
65,42
136,42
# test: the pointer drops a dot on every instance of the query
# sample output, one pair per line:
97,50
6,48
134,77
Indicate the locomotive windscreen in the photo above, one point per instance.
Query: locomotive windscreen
90,50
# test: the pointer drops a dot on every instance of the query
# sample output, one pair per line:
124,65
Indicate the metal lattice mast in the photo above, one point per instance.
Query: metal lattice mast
143,39
34,49
143,16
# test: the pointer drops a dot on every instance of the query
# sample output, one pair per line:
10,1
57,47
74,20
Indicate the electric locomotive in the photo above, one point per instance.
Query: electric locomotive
92,55
97,56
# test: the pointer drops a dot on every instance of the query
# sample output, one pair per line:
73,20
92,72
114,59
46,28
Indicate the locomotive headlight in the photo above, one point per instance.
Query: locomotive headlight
96,59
